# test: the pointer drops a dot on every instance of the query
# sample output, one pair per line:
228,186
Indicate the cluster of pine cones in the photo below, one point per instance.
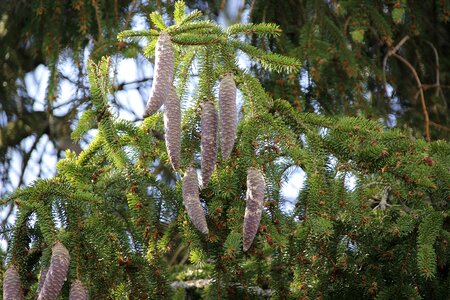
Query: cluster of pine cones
51,280
163,92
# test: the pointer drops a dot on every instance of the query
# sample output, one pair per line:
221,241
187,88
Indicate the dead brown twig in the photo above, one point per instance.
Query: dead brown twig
393,52
422,95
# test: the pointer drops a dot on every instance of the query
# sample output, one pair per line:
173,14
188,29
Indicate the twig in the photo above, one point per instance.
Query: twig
159,6
383,204
422,96
116,10
121,86
437,67
252,7
438,83
127,20
388,54
347,21
26,158
99,21
439,126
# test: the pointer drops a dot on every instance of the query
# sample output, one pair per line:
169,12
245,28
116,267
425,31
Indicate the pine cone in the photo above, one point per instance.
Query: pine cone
78,291
253,209
172,127
57,272
42,279
12,288
227,114
162,75
191,200
209,141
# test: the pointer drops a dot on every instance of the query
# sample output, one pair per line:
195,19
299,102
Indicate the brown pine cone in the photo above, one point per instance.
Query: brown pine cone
57,272
191,200
12,288
78,291
227,114
42,279
208,141
253,210
172,127
162,75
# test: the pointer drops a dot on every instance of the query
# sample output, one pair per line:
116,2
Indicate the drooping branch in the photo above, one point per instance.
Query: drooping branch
393,52
389,54
422,95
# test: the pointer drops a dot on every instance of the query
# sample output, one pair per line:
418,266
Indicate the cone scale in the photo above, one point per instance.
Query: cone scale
162,75
254,206
191,200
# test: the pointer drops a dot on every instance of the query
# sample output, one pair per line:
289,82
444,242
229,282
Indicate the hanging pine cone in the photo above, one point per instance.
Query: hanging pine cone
42,279
162,75
78,291
253,209
209,141
227,114
12,288
57,272
191,200
172,127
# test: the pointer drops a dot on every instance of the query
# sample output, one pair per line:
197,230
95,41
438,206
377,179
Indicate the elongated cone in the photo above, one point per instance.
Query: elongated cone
191,200
209,141
44,271
12,288
227,114
78,291
172,127
162,75
57,272
253,210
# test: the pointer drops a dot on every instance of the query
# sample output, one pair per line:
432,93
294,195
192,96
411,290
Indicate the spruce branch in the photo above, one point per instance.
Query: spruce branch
179,11
265,29
200,27
270,61
126,34
188,39
195,14
158,20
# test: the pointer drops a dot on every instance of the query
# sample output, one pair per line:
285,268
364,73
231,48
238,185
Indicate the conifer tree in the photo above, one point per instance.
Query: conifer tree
384,237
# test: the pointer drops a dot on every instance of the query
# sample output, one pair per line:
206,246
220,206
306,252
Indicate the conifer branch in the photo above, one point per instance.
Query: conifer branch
270,61
133,33
250,28
158,20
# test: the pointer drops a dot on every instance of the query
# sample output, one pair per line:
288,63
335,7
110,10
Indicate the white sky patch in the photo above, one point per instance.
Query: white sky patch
133,100
291,188
36,83
138,22
350,181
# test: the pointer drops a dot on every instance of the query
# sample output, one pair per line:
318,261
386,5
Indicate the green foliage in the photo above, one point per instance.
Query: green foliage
384,236
348,68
